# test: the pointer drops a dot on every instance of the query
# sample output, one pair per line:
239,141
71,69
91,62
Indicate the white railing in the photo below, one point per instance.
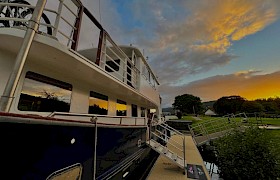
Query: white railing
217,127
115,61
58,19
74,26
164,134
103,119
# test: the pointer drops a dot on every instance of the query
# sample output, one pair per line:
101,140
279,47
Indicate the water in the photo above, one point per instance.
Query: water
209,157
213,170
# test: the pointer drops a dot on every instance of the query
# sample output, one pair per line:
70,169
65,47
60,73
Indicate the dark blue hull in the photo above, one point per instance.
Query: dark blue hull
34,151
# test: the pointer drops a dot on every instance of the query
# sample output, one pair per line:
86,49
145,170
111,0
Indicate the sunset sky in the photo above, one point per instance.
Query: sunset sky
208,48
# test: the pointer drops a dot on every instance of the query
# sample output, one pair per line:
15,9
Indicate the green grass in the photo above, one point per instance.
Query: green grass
270,121
274,138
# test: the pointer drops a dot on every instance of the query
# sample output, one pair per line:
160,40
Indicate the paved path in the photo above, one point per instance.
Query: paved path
269,127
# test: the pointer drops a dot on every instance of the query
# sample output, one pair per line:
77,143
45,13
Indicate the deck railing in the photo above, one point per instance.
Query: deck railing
74,26
105,119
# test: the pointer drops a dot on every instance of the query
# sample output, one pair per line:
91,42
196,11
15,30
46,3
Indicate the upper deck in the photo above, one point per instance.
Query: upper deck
73,26
70,27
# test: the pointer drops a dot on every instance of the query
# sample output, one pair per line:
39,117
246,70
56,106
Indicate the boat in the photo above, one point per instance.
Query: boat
71,110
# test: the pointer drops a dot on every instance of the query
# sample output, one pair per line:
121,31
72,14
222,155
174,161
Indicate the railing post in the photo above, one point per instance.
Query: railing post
184,150
57,19
77,29
94,120
33,25
99,55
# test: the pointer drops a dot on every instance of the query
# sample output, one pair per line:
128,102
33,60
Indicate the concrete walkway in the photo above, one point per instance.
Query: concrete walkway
164,169
269,127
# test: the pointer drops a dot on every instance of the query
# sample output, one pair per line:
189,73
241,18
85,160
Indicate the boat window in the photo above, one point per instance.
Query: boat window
112,65
121,108
44,94
98,103
134,110
143,112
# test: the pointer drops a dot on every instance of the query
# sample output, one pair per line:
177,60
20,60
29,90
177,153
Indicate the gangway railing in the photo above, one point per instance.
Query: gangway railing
174,149
217,127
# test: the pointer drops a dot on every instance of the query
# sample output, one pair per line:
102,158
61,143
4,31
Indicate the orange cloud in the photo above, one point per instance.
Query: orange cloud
227,20
256,86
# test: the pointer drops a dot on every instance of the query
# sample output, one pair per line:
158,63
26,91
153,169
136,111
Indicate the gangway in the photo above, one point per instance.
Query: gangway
159,138
217,127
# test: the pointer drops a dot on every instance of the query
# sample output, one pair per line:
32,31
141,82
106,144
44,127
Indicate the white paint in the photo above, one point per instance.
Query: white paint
125,174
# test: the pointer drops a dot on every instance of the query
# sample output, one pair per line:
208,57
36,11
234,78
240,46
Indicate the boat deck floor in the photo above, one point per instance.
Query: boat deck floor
166,169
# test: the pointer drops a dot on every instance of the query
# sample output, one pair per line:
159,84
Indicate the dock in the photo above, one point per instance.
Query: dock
166,169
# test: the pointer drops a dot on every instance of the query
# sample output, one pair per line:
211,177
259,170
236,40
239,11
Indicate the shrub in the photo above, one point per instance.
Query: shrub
247,155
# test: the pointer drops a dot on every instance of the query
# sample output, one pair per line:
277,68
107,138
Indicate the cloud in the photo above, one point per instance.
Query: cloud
247,73
186,37
190,37
212,88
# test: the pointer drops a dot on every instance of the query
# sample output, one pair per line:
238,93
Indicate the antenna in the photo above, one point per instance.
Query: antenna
99,12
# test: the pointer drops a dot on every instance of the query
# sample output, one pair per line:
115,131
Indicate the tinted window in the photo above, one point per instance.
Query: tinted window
143,112
98,103
121,108
44,94
134,110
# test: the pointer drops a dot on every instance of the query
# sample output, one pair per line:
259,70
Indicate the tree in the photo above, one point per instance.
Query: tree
251,107
270,105
228,105
247,155
188,103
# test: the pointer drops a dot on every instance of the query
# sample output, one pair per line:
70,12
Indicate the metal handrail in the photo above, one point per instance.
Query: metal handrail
216,125
161,133
142,119
173,143
171,128
169,143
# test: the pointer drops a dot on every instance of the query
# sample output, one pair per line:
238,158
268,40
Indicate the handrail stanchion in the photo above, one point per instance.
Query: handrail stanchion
184,151
58,17
94,120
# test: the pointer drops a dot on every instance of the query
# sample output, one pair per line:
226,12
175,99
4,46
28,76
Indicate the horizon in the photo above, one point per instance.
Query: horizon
231,95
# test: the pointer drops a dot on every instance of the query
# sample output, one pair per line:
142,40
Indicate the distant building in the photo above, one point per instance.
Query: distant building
209,112
168,111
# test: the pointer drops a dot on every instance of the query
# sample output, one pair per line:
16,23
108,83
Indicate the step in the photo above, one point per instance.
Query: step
174,156
165,150
156,145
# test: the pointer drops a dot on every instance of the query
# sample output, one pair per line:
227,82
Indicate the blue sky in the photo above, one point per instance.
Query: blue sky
208,48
